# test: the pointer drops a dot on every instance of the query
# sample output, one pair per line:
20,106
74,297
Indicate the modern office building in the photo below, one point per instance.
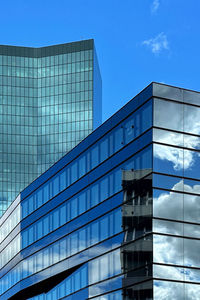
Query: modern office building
118,217
50,99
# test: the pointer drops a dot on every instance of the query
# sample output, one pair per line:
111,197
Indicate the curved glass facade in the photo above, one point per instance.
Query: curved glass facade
116,217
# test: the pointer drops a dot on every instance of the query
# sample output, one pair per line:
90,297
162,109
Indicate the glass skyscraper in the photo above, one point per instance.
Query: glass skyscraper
116,218
50,99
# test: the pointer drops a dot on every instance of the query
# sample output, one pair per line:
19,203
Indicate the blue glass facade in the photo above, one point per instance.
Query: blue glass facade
48,100
116,217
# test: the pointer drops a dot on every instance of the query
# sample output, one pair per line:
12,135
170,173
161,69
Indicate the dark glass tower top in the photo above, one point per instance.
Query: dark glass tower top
50,99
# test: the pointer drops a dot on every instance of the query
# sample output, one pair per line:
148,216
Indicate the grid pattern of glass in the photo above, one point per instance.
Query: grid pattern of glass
85,226
18,126
176,190
121,218
46,108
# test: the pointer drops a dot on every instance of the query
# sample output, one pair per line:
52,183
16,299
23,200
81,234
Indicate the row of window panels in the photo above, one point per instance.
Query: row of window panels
68,102
20,131
183,117
94,194
66,58
16,171
76,170
176,161
65,98
159,289
10,251
176,250
151,290
63,248
53,100
9,150
84,276
15,168
71,209
15,134
176,184
76,67
165,288
107,146
47,81
22,179
64,79
15,120
46,91
175,290
18,178
31,112
64,108
63,129
77,116
100,290
34,112
104,148
33,62
47,160
66,126
15,158
25,134
27,148
176,228
17,175
117,295
103,228
10,223
176,139
96,270
19,101
59,89
59,139
62,122
56,70
78,205
180,206
54,150
62,150
47,120
19,185
63,88
114,183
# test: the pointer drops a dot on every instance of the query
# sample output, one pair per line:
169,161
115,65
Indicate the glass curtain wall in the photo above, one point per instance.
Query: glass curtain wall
46,108
176,200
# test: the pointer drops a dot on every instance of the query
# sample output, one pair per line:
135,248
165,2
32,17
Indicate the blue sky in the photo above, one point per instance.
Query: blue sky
137,41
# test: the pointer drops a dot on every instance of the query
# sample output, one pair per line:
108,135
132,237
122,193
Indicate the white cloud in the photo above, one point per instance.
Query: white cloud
155,5
158,43
176,156
176,205
167,290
